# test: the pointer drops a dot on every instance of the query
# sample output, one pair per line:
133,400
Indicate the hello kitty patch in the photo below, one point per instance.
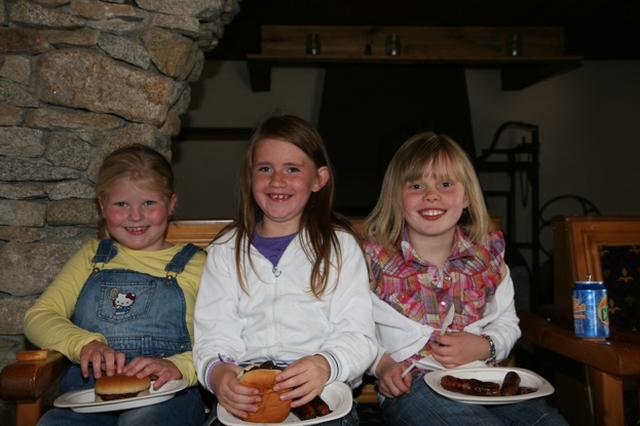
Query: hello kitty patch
121,302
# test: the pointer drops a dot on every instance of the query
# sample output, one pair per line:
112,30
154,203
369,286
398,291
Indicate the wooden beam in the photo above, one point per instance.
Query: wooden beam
540,50
473,43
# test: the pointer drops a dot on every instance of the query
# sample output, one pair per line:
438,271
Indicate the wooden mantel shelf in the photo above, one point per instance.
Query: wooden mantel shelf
540,50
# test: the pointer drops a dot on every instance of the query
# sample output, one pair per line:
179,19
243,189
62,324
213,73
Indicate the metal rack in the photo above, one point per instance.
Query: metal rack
521,164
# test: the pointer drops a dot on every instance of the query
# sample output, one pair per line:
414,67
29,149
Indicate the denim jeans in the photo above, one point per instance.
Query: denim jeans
351,419
185,408
422,406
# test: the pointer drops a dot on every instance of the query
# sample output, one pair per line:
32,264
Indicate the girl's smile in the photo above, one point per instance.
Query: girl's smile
283,179
432,214
137,217
433,205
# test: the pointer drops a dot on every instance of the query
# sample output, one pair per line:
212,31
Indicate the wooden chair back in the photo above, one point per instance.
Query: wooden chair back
202,232
577,241
198,232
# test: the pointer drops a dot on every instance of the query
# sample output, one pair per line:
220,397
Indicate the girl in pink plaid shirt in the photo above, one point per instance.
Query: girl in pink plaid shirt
431,248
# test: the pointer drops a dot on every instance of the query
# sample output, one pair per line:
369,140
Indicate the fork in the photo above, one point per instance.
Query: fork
443,329
448,320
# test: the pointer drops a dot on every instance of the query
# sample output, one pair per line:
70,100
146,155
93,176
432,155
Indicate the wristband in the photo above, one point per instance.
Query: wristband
222,359
492,351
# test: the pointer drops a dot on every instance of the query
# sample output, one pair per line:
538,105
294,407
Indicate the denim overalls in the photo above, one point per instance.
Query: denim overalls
139,314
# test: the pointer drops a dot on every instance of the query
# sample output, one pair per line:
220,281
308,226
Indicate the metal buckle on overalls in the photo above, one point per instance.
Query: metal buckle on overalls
96,269
170,277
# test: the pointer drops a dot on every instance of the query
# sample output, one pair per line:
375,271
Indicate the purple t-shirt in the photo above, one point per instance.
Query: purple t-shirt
272,247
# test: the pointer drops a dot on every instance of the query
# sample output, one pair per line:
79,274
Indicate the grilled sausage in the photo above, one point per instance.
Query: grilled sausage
314,408
320,407
470,386
304,412
510,384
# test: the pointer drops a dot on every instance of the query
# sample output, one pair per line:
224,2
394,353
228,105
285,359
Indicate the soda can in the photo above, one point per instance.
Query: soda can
590,310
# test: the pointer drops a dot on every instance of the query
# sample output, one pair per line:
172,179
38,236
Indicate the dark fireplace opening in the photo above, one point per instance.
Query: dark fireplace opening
367,112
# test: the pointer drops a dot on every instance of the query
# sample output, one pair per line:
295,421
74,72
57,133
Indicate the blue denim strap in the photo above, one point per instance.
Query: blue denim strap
181,259
107,250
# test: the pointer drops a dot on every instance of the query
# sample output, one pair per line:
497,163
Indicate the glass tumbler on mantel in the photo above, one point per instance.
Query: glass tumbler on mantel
393,45
514,46
312,46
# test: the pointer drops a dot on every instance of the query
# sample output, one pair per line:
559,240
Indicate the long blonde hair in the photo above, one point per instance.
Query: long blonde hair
318,223
433,153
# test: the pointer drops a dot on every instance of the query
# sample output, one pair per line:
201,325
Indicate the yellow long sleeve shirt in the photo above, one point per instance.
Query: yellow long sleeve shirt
48,324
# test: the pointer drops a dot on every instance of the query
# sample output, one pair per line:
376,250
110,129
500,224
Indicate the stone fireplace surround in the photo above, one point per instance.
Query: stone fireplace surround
78,79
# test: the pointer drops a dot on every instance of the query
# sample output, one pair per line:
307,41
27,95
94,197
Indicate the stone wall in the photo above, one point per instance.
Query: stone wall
79,78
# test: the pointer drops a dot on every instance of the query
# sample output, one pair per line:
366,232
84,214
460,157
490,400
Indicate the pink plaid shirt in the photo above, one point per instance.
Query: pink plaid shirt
424,293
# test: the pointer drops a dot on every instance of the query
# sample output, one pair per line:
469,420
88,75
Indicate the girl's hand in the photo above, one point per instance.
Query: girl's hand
455,349
390,381
306,376
102,358
161,369
234,397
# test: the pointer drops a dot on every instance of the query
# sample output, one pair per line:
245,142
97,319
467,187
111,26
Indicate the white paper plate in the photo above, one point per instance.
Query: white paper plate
337,395
490,374
83,401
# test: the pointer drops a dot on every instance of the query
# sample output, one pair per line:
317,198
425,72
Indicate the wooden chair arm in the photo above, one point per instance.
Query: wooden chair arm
557,314
563,316
27,380
612,356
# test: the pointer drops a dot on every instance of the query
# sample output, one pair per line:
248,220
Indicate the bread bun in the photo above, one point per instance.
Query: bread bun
111,388
270,409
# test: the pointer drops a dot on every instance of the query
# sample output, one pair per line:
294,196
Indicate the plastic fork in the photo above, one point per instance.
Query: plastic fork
448,320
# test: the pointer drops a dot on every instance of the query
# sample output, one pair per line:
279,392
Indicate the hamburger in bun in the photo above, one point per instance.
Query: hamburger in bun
111,388
270,408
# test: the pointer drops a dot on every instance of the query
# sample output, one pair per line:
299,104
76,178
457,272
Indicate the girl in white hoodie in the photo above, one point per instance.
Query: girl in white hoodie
287,281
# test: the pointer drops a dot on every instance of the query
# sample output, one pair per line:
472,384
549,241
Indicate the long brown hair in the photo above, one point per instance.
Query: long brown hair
437,154
318,222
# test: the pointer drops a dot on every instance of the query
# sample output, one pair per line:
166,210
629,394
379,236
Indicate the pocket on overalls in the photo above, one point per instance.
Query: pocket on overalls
125,302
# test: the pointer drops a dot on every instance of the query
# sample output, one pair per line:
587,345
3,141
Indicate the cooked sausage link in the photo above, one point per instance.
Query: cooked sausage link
510,384
304,412
314,408
470,386
320,407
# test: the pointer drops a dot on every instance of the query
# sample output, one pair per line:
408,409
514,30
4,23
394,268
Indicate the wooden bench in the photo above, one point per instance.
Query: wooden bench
26,381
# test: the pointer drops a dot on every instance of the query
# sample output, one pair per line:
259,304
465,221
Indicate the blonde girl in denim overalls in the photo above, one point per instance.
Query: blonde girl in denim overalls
125,304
